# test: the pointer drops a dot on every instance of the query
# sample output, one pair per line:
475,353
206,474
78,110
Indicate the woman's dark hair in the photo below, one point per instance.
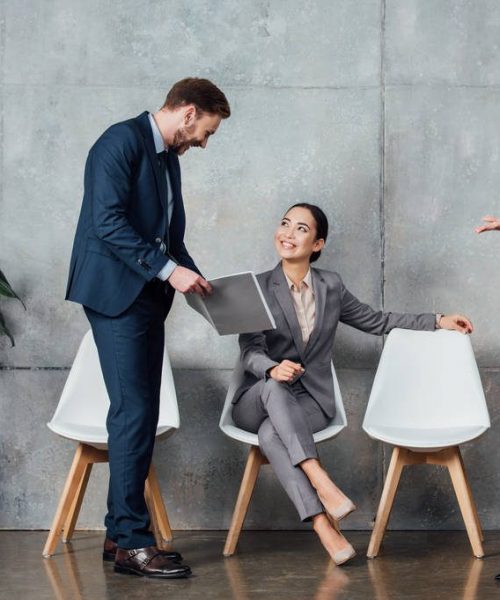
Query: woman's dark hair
321,224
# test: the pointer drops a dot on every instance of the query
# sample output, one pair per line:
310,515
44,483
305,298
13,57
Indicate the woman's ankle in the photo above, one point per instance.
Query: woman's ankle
326,488
320,521
329,537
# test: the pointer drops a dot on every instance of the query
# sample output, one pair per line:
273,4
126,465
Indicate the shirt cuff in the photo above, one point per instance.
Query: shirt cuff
438,318
167,270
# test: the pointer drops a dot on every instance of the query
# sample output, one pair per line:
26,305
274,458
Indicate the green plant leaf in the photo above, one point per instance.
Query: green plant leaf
5,331
6,289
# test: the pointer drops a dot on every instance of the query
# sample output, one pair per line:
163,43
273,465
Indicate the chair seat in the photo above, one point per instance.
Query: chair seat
253,439
231,430
92,435
425,439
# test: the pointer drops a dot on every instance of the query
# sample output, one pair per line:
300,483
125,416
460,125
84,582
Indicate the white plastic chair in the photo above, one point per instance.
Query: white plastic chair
426,399
256,458
81,416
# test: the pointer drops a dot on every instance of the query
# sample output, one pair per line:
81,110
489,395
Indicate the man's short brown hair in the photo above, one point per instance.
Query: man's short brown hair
205,95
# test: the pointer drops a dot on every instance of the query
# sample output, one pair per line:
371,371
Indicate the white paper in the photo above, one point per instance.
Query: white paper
237,305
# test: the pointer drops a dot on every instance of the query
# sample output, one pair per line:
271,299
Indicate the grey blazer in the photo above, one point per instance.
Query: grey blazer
334,302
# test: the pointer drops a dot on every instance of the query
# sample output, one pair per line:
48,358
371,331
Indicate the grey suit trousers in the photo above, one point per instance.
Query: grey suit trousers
285,418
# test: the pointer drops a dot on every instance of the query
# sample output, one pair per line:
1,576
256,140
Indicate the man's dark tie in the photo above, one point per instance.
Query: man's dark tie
163,157
166,167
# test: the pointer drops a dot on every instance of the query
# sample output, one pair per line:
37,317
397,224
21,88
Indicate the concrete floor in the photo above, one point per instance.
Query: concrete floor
276,565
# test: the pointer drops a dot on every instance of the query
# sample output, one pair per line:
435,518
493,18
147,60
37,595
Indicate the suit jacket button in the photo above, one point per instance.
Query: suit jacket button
158,240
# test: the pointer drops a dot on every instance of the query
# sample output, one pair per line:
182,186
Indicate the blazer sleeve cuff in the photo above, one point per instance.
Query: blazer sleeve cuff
264,364
166,271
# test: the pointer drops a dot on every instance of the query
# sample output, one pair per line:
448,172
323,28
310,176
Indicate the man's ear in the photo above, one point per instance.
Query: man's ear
190,114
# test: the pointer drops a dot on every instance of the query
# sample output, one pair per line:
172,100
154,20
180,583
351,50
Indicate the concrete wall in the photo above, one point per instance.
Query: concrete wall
383,112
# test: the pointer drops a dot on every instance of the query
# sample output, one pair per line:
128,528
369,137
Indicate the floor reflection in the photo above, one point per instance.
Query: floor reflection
270,565
332,582
67,586
388,577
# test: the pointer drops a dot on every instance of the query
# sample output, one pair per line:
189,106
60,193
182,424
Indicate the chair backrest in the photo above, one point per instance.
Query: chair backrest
84,399
427,380
227,425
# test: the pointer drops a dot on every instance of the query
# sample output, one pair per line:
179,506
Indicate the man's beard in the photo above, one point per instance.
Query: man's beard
182,140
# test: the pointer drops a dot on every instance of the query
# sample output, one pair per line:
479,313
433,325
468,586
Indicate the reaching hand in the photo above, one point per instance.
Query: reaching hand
457,323
285,371
491,224
187,281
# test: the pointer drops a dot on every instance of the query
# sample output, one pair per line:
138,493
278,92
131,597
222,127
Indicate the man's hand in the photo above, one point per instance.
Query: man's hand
491,224
456,322
285,371
188,282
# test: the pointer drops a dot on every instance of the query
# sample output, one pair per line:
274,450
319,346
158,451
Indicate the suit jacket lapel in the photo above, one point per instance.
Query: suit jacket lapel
319,287
284,297
144,126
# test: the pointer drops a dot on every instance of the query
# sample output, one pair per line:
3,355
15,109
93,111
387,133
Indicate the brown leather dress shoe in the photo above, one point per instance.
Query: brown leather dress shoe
109,552
148,562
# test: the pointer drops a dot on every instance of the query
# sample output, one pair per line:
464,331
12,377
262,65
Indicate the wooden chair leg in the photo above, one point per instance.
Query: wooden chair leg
476,516
160,517
462,491
386,501
69,503
69,525
67,498
254,461
152,516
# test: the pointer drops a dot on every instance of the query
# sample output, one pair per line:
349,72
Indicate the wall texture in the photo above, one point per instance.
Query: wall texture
383,112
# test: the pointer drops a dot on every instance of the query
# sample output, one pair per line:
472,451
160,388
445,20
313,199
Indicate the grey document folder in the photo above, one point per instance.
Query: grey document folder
237,305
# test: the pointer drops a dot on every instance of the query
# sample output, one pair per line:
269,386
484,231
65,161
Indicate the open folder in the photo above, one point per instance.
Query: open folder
237,305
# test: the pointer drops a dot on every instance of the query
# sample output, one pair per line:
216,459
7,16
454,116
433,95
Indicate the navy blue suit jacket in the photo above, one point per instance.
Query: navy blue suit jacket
124,218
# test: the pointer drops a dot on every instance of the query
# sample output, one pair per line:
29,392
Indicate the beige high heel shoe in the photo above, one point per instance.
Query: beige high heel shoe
342,556
341,511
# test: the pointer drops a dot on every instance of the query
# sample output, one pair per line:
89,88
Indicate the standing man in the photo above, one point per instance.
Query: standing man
128,259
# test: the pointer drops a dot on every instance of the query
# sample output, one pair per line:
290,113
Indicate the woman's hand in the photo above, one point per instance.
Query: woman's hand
490,224
285,371
456,322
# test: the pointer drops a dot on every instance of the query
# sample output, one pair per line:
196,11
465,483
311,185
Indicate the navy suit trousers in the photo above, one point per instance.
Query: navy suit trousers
130,348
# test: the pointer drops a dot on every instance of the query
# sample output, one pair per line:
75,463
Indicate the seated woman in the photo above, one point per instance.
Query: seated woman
287,392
